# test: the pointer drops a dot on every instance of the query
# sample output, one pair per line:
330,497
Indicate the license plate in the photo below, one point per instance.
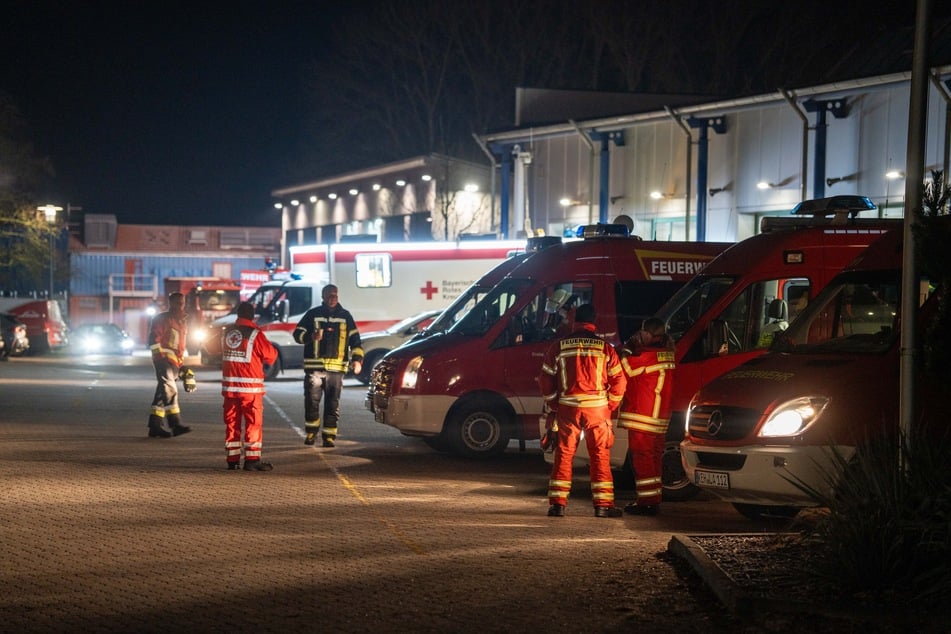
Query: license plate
379,416
712,479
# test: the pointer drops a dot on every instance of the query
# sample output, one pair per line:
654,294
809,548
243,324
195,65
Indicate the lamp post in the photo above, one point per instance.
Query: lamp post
50,212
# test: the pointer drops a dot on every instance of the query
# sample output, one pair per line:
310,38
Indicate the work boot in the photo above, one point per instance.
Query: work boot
175,423
257,465
607,511
156,430
556,510
329,442
311,438
234,466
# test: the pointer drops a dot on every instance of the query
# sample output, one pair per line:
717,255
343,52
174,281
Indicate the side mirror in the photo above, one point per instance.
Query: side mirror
283,309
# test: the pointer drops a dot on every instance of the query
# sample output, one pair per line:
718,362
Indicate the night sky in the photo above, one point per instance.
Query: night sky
162,112
191,112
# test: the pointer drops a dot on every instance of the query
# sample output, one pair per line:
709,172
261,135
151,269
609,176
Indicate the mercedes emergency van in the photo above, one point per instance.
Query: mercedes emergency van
829,383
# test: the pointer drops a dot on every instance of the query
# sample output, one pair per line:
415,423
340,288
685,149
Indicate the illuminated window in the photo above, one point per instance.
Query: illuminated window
374,270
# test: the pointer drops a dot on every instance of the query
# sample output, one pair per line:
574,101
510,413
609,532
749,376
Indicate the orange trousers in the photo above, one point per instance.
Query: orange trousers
249,410
595,422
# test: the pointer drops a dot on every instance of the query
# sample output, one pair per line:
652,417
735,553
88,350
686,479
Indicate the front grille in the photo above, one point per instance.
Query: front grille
716,422
720,461
381,383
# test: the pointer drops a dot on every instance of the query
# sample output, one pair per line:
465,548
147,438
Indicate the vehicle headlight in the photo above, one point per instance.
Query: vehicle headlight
794,417
127,343
92,344
200,335
411,374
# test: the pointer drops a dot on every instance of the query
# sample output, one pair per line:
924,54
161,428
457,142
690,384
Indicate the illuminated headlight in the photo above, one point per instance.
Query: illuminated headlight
411,374
794,417
127,344
200,335
92,344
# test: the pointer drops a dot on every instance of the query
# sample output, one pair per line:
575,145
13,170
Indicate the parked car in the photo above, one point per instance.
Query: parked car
102,338
378,343
15,341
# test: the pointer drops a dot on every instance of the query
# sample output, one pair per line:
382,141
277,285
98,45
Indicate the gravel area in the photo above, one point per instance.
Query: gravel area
772,573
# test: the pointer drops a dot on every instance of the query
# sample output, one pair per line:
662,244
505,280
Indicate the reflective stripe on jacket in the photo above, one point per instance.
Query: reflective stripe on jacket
646,405
568,376
339,341
167,338
245,350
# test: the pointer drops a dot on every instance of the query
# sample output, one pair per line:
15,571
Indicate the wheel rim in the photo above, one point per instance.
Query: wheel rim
481,432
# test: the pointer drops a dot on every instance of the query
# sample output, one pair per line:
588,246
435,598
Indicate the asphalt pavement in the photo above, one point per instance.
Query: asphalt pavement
106,530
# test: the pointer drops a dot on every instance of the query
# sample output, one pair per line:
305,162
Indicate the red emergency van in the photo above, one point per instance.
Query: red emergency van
473,388
830,382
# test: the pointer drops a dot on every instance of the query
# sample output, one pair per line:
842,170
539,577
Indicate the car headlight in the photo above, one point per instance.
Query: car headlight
127,344
411,374
794,417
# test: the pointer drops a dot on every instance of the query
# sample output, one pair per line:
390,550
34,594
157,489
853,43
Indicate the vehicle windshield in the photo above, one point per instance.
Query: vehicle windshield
688,304
218,300
456,310
493,305
856,314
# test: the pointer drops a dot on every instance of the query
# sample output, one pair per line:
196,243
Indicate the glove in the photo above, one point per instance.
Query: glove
187,375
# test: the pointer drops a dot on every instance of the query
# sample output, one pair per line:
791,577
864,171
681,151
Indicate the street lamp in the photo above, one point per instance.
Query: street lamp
50,212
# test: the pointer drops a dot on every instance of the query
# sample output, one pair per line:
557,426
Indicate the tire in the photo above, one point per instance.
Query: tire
369,362
765,513
478,430
677,487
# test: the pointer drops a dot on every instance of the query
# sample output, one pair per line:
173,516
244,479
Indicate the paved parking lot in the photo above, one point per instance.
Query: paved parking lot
107,530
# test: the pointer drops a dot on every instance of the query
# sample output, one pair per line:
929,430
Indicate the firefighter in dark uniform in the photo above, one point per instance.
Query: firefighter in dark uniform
331,343
167,335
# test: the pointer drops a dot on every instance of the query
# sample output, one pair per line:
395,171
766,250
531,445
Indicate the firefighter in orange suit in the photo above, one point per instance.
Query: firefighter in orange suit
167,334
648,362
245,350
582,382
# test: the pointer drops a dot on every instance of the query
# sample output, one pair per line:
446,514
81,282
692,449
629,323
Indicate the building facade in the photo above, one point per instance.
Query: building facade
707,171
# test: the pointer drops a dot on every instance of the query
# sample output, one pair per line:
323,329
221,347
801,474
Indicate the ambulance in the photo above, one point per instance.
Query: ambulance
472,388
379,283
730,312
829,384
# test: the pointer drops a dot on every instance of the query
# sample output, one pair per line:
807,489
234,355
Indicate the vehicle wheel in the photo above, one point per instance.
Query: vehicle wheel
273,370
677,486
764,513
478,430
439,443
369,362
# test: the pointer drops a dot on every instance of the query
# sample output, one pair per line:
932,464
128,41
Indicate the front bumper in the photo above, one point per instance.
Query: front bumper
763,475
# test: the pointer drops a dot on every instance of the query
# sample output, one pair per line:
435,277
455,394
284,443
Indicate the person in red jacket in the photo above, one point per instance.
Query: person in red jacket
167,334
245,350
582,382
648,362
